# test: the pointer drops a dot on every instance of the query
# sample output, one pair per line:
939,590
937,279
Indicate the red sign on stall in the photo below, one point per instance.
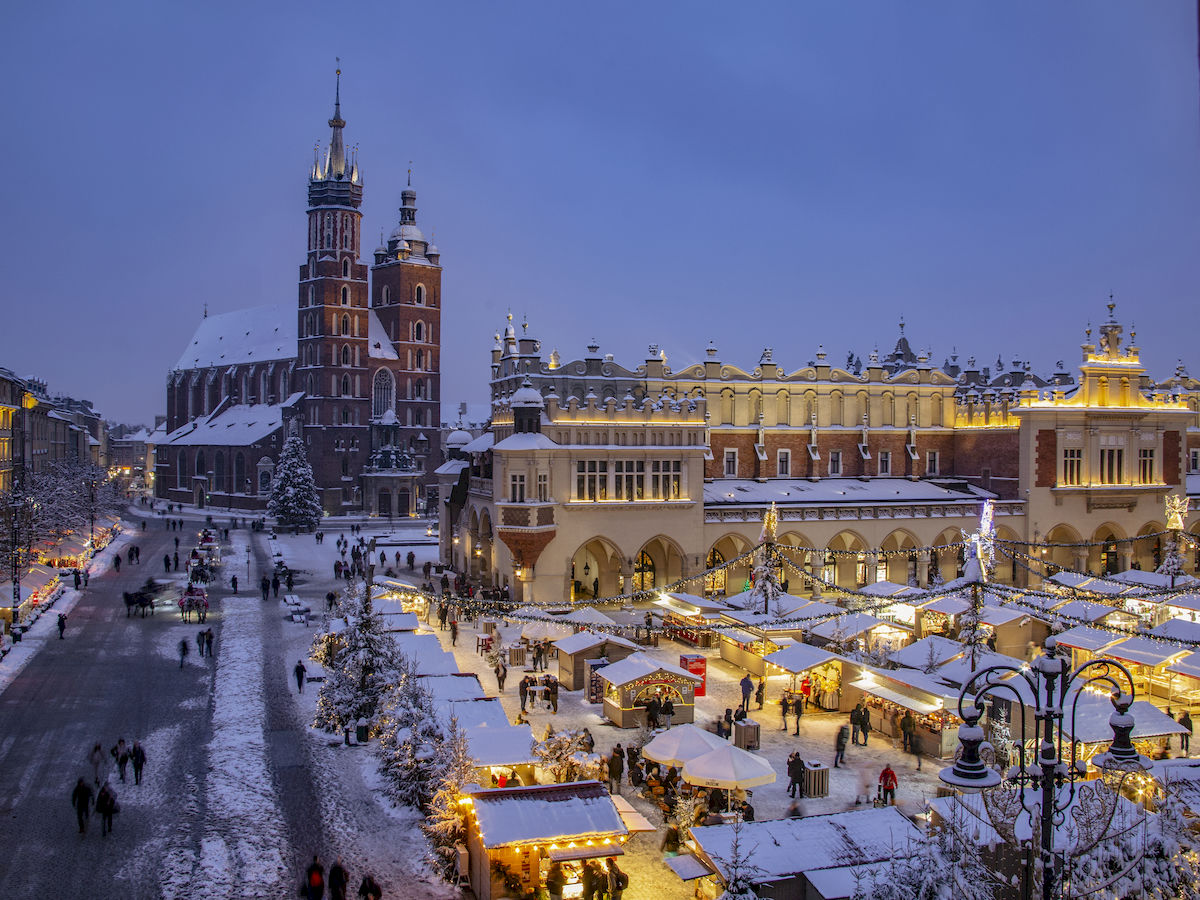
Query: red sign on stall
697,664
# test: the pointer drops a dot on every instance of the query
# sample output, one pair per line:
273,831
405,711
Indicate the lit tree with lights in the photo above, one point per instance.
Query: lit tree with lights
766,590
445,826
410,740
294,501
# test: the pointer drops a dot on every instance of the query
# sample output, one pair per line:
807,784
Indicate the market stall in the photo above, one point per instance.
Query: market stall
688,618
860,631
514,835
822,669
631,683
746,648
1185,689
937,616
1084,642
1013,629
503,754
889,693
575,650
926,654
1148,661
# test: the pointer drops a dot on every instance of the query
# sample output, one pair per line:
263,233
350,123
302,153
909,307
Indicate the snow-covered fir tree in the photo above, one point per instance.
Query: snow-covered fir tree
739,871
363,667
445,826
294,500
410,740
1172,564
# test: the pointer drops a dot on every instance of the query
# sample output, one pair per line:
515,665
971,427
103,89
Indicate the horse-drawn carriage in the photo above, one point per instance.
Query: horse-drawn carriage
142,600
193,600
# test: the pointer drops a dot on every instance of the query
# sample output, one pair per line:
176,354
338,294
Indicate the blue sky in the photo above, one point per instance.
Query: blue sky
768,174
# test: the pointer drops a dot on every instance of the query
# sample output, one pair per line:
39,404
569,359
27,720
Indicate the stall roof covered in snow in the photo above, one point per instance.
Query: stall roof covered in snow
546,812
800,491
454,687
933,649
426,651
784,848
585,640
801,657
487,713
848,626
1178,629
1083,637
257,334
511,745
1144,651
639,665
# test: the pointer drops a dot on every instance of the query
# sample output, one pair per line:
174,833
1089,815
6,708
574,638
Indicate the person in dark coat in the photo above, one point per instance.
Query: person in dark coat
798,710
616,769
208,642
265,586
552,690
653,706
670,842
137,756
81,799
78,579
785,707
121,754
175,559
369,889
591,880
760,692
62,626
453,632
843,738
166,562
747,690
339,881
795,771
747,811
314,880
856,723
233,583
106,805
183,651
275,585
668,710
523,691
117,562
1185,739
299,672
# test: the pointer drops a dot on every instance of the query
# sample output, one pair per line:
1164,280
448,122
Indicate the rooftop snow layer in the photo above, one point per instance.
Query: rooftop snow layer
797,491
236,426
559,812
257,334
379,344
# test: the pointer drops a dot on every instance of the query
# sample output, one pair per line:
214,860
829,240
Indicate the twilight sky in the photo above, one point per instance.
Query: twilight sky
770,174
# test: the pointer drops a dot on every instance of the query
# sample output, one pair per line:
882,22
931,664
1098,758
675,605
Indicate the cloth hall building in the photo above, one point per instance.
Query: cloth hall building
597,480
352,365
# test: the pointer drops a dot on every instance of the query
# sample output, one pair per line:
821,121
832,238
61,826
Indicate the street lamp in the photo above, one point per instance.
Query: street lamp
1048,680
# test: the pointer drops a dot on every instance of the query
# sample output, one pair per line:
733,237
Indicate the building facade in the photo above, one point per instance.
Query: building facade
353,363
599,480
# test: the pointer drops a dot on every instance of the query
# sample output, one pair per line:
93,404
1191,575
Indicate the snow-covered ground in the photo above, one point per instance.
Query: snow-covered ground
395,845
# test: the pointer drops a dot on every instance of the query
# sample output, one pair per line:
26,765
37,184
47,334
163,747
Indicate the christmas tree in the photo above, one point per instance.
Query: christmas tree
1172,561
444,826
294,500
410,741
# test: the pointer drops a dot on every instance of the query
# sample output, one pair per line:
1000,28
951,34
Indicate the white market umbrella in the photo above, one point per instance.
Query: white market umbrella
677,745
587,615
728,767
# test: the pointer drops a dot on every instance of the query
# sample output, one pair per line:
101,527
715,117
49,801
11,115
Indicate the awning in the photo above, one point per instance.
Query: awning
633,819
583,851
689,867
917,706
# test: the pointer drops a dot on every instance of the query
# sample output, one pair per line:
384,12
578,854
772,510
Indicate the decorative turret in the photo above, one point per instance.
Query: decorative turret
335,182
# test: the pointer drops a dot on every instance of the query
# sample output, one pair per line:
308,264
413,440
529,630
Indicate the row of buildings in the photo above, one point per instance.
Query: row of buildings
598,480
38,429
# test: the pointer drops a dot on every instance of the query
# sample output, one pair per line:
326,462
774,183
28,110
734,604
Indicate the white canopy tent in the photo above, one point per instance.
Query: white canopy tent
728,767
675,746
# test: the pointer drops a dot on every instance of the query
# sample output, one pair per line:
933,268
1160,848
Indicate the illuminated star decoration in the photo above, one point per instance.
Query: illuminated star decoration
1177,510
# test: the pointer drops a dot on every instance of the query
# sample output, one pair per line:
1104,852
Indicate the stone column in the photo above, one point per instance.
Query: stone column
923,569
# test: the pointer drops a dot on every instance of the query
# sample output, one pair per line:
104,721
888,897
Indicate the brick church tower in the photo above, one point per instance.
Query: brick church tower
332,330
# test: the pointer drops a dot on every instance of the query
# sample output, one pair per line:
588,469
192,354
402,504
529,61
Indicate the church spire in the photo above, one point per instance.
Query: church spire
336,167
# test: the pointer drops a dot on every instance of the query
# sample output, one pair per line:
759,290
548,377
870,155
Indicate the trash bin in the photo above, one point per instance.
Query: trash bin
745,734
816,779
360,733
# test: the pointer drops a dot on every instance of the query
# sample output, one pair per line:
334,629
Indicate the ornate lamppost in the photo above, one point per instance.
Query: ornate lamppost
1046,788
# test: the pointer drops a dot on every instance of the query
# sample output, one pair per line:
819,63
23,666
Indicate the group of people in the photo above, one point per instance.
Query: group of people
338,882
530,686
103,801
660,709
597,882
204,642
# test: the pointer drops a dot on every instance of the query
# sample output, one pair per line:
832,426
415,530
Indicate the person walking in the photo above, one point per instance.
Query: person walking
265,587
798,710
137,756
290,581
1185,739
299,672
760,692
667,711
78,579
183,651
62,627
501,675
175,559
233,583
339,881
369,889
888,782
617,880
907,726
117,561
96,759
747,690
552,690
275,585
840,742
121,754
167,563
106,805
200,643
616,768
208,642
314,880
785,707
795,771
81,800
864,724
453,632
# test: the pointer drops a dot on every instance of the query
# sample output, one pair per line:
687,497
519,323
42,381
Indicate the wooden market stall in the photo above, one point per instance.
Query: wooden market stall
889,693
689,619
824,671
1084,642
927,653
1148,660
503,754
746,647
1185,689
514,834
574,652
937,616
631,683
1012,628
860,631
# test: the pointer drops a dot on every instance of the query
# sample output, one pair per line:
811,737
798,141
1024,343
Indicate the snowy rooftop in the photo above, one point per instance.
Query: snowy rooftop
848,626
639,665
470,714
257,334
918,654
480,444
783,848
585,640
1179,629
454,687
526,441
380,345
451,467
1086,610
959,671
236,426
1144,652
801,657
426,651
1081,637
511,745
798,491
1151,579
549,812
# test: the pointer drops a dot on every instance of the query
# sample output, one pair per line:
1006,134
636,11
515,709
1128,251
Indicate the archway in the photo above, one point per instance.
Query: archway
849,560
732,579
383,503
1056,558
898,559
596,570
946,563
1148,552
658,563
1008,565
799,559
1108,555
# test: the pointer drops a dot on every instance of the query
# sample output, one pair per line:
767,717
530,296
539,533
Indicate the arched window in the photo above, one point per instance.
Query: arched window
383,393
219,471
308,385
419,389
345,466
239,474
283,385
264,482
386,294
328,229
264,388
420,359
345,354
643,573
181,470
345,323
420,295
714,582
345,385
312,295
345,268
345,415
419,332
345,295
